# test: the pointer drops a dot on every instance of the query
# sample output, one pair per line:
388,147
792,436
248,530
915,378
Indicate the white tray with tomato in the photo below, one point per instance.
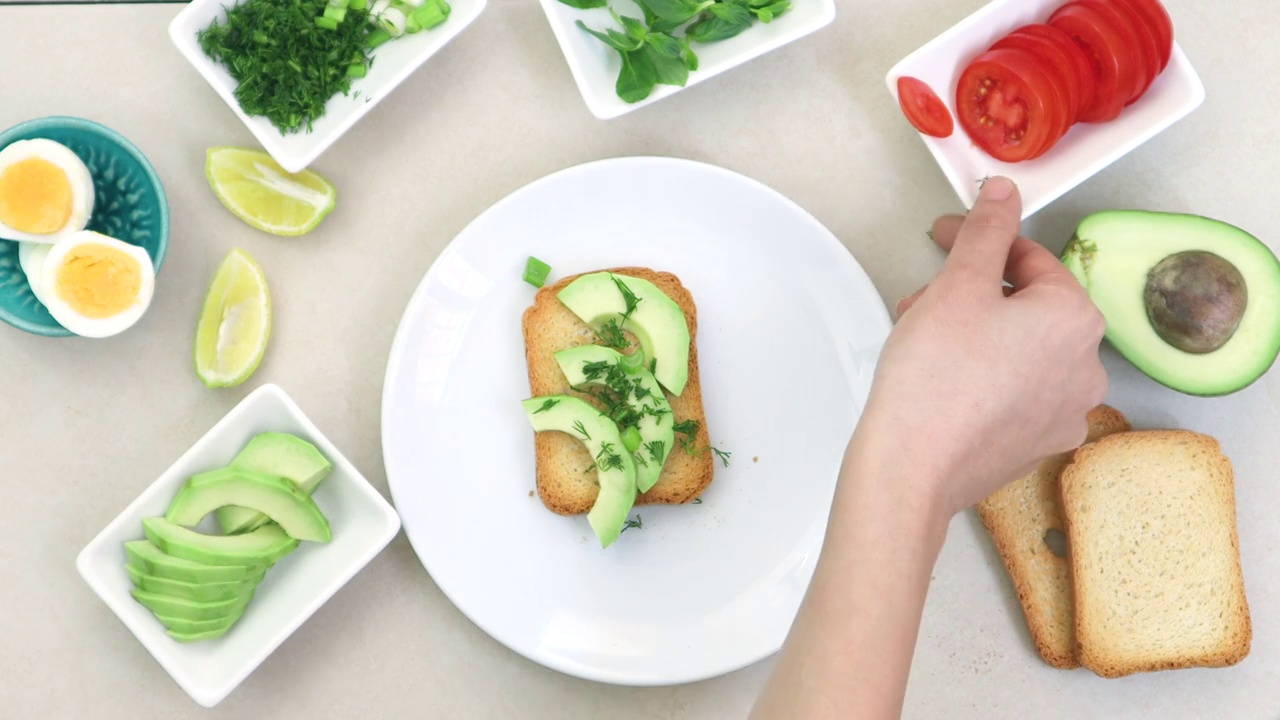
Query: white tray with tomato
1045,92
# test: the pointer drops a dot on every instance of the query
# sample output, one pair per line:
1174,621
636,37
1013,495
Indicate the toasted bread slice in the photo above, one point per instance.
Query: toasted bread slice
566,475
1155,555
1021,518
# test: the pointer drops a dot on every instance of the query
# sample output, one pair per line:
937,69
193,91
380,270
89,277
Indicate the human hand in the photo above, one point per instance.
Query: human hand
974,387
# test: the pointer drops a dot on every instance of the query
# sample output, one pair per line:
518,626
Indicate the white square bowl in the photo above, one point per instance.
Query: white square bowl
362,522
595,65
393,62
1084,151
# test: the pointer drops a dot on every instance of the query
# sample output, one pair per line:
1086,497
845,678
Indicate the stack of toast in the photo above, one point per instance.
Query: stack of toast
1125,553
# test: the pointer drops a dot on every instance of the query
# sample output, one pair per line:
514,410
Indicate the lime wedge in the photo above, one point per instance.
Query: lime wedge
235,323
257,190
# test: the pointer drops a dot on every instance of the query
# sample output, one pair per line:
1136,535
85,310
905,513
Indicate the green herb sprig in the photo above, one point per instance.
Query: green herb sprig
653,50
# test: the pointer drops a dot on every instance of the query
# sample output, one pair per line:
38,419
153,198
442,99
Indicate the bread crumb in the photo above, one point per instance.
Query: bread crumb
755,459
530,493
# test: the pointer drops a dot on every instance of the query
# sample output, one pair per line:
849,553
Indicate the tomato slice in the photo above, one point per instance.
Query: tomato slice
924,109
1055,61
1079,63
1114,59
1135,26
1123,39
1008,105
1158,21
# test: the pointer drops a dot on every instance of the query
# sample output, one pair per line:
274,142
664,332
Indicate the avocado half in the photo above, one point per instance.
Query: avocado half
1192,302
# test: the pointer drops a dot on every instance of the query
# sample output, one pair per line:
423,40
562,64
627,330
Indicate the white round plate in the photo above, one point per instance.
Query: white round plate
789,329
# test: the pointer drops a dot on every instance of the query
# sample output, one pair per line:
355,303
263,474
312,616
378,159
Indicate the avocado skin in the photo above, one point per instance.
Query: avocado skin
1112,253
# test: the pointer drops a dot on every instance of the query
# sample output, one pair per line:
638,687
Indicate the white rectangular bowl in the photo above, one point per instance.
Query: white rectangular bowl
1084,151
595,65
393,62
362,523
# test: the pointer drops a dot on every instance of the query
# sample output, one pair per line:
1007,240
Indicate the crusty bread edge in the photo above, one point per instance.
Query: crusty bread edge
1105,420
1105,667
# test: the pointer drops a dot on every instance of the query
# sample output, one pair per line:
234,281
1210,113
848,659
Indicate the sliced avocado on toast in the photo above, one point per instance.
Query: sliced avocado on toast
614,466
643,404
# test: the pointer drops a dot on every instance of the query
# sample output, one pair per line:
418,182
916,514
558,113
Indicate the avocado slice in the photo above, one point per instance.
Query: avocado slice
281,500
1192,302
616,470
657,321
273,453
172,607
154,562
198,637
262,547
593,365
193,627
200,592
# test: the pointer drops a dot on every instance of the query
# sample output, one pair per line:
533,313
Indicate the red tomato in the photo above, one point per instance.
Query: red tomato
1008,105
1054,61
924,108
1158,21
1135,26
1077,61
1114,59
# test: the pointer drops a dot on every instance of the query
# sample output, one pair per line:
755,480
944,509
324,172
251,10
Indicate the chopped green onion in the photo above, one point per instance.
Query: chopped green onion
376,37
431,14
536,272
327,23
631,364
358,4
631,439
356,70
393,21
336,13
411,24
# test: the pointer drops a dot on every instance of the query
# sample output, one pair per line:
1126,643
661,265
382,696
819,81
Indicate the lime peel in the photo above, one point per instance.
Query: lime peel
235,323
260,192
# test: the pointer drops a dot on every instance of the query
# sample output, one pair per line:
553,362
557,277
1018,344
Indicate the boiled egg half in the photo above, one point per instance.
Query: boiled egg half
46,191
93,285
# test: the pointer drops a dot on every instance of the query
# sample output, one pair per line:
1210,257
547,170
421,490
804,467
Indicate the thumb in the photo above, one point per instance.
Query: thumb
982,245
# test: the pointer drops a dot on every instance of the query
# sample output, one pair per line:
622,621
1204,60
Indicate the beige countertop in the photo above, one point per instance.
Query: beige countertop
86,425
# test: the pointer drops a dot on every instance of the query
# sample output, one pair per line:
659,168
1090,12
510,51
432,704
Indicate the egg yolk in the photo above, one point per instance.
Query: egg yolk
98,281
35,196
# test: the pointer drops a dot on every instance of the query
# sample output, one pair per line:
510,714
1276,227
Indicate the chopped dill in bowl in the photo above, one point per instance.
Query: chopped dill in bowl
288,57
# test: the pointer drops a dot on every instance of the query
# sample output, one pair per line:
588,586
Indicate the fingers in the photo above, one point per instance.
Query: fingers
905,303
981,246
1029,262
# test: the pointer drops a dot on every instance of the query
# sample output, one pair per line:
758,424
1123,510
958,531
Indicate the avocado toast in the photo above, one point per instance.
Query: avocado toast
567,476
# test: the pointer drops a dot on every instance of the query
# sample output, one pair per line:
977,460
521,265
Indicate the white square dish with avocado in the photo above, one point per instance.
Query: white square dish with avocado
235,545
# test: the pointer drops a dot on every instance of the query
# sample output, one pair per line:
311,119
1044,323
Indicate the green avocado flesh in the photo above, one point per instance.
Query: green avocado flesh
280,499
1173,307
190,609
153,561
262,547
212,628
616,470
199,592
272,453
655,423
658,323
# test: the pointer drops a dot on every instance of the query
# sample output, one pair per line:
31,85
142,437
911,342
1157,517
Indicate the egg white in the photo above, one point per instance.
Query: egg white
72,320
77,174
31,257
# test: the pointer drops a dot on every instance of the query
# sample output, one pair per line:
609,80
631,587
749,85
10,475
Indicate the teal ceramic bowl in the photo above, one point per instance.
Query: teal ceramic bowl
129,204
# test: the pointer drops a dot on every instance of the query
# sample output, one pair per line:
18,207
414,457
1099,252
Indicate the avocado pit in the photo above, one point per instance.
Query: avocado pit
1195,301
